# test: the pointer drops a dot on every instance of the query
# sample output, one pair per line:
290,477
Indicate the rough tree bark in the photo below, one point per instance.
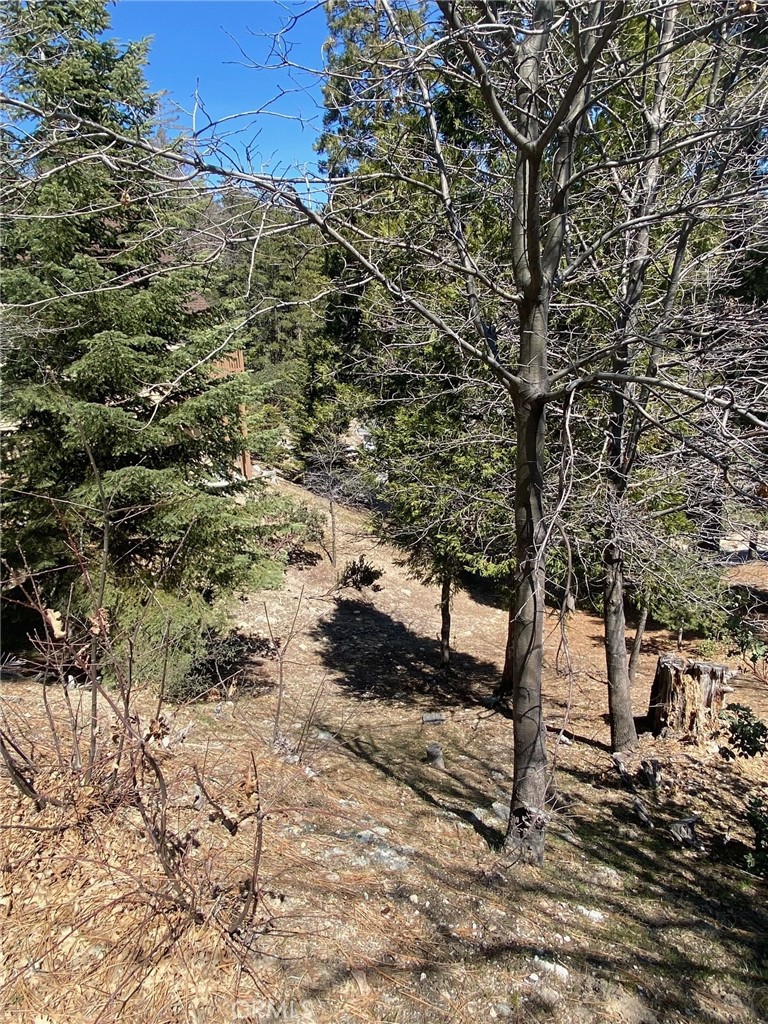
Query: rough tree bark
506,685
445,622
528,817
637,643
623,732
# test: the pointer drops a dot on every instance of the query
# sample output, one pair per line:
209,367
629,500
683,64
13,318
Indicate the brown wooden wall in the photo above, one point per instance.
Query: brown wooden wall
234,362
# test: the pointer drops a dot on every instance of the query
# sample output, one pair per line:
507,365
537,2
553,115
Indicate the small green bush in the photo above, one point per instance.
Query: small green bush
757,816
359,574
710,648
746,641
748,733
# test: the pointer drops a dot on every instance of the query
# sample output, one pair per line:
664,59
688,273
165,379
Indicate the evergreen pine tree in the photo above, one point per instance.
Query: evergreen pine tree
121,432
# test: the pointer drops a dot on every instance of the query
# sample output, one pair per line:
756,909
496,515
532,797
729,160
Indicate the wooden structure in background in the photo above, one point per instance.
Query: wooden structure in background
233,362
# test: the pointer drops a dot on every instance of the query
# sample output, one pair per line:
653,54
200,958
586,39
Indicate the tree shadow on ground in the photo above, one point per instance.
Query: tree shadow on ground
651,644
375,655
587,741
658,645
485,592
673,924
443,789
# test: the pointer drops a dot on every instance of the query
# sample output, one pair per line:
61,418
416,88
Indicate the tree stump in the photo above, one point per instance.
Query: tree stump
687,696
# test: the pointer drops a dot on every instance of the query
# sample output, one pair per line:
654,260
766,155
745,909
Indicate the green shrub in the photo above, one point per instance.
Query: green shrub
748,733
359,574
757,816
710,648
746,641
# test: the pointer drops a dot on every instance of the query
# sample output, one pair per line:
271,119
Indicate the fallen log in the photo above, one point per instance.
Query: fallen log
432,718
687,697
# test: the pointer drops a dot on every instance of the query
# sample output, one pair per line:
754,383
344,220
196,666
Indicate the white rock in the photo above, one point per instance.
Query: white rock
560,972
607,877
501,809
592,915
549,997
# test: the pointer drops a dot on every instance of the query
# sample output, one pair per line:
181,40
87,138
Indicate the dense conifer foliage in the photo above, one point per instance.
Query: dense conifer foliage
121,427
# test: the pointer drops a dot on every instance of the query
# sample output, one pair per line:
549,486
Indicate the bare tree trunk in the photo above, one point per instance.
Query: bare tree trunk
711,517
506,685
528,817
622,439
445,622
753,552
637,644
623,732
98,621
332,512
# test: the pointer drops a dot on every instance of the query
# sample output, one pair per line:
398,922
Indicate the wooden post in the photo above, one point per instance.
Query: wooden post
687,696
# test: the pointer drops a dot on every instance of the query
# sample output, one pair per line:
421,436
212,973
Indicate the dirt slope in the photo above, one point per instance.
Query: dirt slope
382,891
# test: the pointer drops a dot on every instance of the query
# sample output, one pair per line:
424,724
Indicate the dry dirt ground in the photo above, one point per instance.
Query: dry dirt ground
336,877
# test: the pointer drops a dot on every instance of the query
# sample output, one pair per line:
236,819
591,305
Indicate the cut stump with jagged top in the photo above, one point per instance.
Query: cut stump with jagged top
687,697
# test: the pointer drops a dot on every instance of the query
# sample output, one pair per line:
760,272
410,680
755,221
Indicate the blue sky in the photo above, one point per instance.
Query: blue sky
200,43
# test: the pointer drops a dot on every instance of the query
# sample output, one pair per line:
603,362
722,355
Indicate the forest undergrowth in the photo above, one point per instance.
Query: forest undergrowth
283,850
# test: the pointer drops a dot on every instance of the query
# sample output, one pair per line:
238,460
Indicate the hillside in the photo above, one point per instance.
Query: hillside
336,877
